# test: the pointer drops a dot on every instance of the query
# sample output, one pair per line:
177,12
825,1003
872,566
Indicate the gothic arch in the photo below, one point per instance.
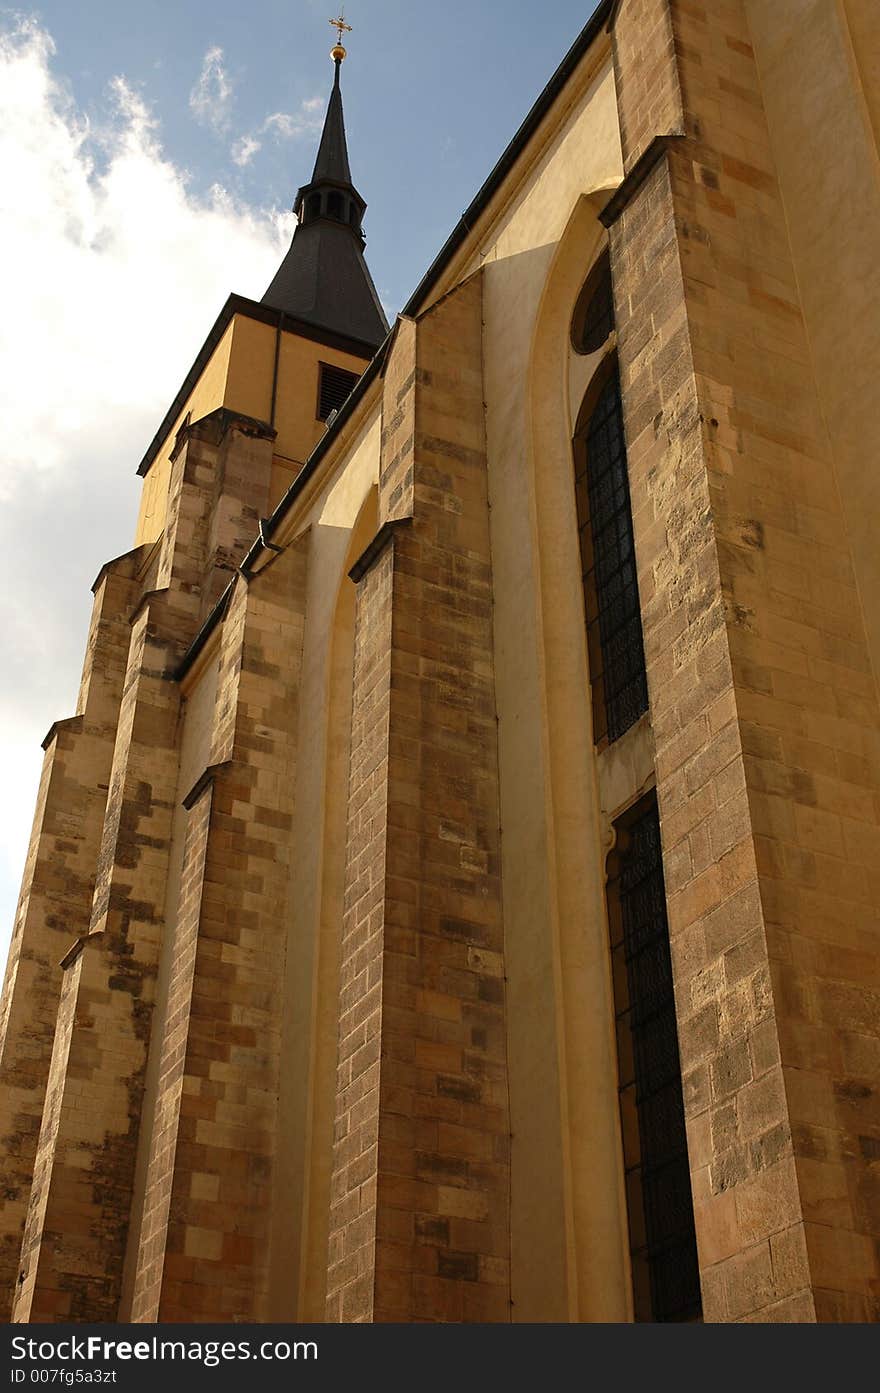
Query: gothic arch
302,1203
557,381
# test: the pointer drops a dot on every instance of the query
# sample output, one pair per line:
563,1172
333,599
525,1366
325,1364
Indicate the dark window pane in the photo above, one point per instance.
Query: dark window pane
608,566
666,1282
593,318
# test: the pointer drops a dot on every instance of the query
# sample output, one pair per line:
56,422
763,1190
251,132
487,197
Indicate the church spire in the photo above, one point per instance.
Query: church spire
332,159
324,279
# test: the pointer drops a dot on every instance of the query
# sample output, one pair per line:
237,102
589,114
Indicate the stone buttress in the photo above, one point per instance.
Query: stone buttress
56,897
91,1066
420,1190
762,702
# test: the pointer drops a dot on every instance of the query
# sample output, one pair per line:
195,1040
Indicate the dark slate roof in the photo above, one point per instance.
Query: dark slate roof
332,158
324,280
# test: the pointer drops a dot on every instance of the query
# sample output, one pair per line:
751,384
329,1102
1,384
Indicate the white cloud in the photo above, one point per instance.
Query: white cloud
211,96
283,125
306,121
115,270
244,149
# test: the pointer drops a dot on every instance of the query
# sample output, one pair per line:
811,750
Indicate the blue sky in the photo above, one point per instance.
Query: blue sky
151,153
432,96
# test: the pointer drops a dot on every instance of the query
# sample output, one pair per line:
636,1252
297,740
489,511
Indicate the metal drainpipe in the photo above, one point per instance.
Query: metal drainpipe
275,368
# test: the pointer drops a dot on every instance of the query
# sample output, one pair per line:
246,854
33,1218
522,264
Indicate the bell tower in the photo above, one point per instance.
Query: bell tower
288,360
324,279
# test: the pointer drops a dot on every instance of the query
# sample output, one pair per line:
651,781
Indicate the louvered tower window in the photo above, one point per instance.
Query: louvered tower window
666,1281
608,567
334,388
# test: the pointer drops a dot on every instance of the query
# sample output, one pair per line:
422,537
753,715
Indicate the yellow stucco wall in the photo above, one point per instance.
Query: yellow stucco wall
341,518
207,394
819,62
299,430
568,1223
249,389
239,376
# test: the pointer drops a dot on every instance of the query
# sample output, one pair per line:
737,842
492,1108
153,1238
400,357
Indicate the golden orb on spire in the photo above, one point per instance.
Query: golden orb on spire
338,51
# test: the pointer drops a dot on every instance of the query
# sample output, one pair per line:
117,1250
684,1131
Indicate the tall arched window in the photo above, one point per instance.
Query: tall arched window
663,1248
665,1271
608,563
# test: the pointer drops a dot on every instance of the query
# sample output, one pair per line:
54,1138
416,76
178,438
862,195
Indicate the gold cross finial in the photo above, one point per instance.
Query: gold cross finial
340,27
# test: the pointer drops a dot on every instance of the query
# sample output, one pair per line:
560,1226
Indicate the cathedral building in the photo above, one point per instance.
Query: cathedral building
456,896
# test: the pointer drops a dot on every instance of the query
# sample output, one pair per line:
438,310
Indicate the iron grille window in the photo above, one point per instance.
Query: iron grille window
593,318
608,569
334,388
666,1281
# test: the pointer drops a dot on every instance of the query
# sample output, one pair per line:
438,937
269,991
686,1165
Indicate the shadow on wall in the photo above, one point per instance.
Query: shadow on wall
298,1268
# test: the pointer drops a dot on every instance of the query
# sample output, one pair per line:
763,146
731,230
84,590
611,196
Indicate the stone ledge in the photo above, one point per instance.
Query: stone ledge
205,780
73,723
217,424
375,548
77,947
134,557
637,176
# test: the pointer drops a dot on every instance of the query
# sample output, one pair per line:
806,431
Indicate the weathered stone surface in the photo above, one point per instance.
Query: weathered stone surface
420,1179
56,897
204,1236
